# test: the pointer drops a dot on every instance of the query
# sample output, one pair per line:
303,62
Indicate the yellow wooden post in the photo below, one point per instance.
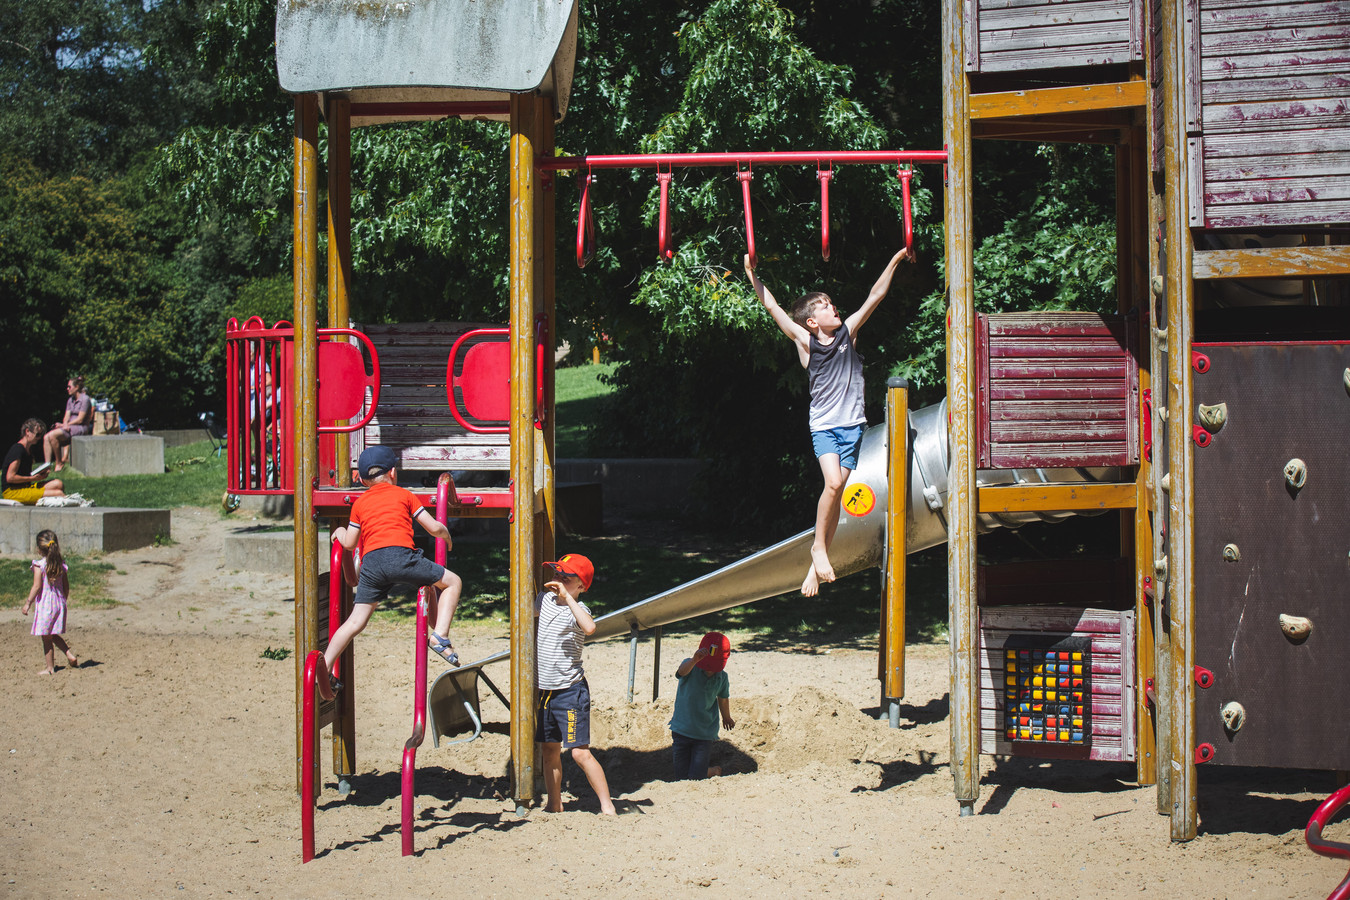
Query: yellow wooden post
891,658
305,225
338,113
1176,565
964,619
524,562
545,197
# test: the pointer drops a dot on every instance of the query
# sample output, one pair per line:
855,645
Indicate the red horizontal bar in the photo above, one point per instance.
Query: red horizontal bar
483,498
773,158
432,108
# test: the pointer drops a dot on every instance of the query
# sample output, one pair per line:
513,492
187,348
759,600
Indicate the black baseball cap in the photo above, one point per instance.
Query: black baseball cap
376,461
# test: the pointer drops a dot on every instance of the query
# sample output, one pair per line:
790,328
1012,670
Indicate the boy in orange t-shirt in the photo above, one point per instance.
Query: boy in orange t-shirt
381,526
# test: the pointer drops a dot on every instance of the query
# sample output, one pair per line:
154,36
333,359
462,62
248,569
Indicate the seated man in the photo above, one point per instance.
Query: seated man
16,479
79,419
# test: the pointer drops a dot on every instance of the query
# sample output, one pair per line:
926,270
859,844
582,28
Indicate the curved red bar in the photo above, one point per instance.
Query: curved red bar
905,176
450,380
585,225
744,176
1313,836
663,224
824,176
373,380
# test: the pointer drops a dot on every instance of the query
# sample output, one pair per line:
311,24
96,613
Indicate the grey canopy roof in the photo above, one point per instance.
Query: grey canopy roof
426,51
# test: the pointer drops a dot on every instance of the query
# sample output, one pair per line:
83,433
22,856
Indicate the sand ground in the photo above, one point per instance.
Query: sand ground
164,767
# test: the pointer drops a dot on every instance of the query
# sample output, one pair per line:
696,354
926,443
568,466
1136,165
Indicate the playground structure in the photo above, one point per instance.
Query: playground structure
1197,104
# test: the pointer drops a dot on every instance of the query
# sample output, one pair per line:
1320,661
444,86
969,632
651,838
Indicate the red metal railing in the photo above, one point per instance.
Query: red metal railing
260,390
743,162
1313,835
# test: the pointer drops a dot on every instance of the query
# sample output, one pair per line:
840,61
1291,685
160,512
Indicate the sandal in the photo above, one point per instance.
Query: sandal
443,648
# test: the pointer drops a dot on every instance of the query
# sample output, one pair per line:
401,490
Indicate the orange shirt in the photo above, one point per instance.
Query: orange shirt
384,515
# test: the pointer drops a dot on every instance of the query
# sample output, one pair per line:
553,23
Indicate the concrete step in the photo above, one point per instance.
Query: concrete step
81,529
268,551
117,454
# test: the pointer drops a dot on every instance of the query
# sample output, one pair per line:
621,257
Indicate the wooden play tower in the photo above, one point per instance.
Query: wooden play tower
1232,158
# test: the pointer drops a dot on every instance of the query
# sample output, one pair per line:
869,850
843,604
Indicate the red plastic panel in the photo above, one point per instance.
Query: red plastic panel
485,381
342,381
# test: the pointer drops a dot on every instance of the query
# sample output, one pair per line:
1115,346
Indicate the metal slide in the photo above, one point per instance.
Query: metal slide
860,541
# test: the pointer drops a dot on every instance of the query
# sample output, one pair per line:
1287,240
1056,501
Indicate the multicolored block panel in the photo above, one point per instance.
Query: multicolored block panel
1047,695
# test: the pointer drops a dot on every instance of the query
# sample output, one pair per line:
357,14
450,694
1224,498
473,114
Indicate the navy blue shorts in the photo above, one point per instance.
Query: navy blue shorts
844,441
564,716
383,568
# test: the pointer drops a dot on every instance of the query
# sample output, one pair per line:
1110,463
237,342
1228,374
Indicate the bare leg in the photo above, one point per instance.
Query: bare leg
61,645
450,586
827,520
54,488
48,656
596,776
553,776
355,624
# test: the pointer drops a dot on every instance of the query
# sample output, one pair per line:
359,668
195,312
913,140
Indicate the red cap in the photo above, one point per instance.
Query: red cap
720,645
575,564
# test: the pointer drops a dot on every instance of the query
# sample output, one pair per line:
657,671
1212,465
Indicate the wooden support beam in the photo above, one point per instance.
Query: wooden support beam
891,652
1271,262
305,235
1042,101
1007,498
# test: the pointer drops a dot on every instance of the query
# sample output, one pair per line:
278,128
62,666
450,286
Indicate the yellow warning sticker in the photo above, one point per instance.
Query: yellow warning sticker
858,499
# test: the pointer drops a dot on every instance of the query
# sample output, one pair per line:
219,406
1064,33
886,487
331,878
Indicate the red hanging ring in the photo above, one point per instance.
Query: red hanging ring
585,224
663,225
905,175
824,176
744,177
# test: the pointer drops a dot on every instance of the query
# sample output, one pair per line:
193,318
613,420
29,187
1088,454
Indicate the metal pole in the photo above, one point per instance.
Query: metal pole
524,564
964,617
632,660
305,229
656,667
771,158
891,656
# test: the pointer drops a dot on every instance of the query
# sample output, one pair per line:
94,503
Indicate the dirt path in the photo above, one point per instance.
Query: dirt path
164,766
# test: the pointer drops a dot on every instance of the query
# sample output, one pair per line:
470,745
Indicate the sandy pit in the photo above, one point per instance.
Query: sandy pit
165,767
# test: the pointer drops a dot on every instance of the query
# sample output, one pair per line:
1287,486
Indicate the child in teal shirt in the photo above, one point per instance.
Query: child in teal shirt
703,692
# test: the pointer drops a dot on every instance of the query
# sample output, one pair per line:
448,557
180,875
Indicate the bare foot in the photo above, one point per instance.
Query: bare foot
549,809
73,660
811,584
610,811
47,672
820,559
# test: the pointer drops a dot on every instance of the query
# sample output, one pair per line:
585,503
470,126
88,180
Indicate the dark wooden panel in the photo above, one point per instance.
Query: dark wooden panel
1053,411
1284,401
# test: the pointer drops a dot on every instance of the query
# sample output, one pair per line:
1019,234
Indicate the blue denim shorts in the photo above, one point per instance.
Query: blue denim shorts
383,568
844,441
564,716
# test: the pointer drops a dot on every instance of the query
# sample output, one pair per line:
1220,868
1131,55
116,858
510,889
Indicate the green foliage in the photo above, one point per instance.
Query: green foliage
579,392
276,653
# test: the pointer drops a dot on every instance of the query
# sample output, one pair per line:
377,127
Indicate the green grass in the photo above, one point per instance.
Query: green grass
578,393
88,583
195,477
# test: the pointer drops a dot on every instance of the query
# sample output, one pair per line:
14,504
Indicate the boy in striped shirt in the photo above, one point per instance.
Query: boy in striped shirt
563,718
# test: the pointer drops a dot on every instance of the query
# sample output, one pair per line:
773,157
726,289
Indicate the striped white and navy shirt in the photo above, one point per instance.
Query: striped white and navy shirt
558,643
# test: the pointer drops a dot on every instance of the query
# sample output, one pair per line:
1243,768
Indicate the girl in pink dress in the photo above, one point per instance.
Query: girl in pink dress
50,590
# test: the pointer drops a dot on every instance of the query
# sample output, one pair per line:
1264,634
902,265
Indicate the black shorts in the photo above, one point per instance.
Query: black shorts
564,716
383,568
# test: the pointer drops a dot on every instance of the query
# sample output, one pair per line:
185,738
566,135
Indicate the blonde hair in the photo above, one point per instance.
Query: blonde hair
50,548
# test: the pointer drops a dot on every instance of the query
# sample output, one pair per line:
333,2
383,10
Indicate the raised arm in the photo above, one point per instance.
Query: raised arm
796,333
879,290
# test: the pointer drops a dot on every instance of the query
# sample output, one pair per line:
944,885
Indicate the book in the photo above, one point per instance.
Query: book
40,468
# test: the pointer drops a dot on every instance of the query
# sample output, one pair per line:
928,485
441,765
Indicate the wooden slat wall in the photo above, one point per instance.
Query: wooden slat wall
1018,35
414,416
1112,681
1273,113
1057,389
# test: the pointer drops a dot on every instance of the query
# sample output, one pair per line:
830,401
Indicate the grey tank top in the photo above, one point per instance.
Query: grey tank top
835,375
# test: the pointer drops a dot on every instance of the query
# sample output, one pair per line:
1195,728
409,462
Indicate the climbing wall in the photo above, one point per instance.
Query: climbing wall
1272,534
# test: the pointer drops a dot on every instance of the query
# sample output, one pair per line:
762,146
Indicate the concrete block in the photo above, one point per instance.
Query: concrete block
267,551
117,454
179,437
82,529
